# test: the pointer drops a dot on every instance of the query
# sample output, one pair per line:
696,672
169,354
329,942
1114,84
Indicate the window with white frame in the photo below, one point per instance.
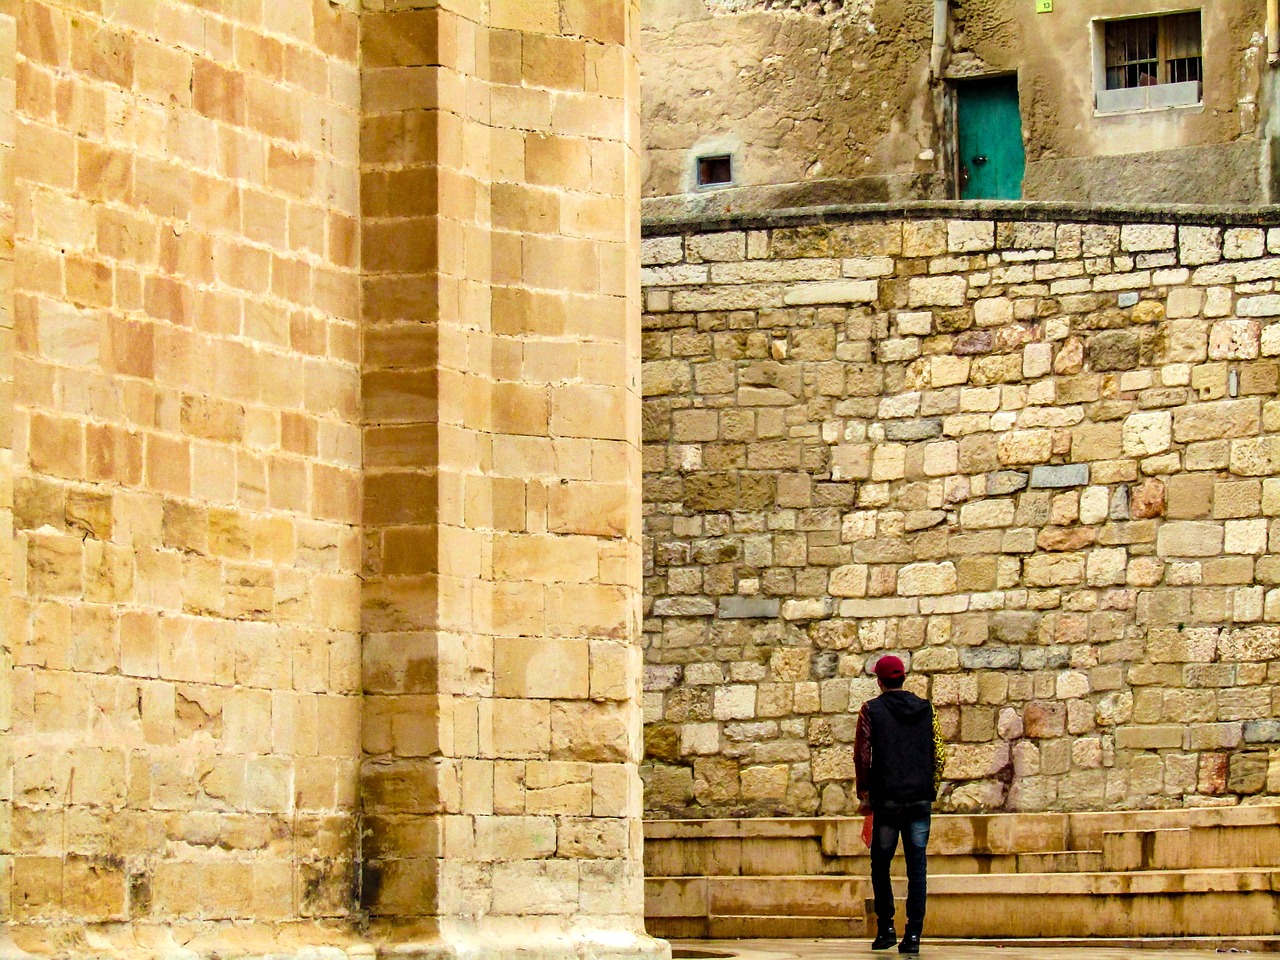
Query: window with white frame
1148,63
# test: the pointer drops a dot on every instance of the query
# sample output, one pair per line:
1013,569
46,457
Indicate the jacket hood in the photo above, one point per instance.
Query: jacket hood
906,707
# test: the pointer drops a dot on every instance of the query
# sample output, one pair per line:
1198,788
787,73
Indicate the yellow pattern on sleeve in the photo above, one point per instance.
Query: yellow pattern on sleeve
939,751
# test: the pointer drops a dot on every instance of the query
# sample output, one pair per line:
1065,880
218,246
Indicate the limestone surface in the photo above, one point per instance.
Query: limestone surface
1038,464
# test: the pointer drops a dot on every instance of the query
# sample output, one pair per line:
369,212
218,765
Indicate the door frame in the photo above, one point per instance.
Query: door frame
953,122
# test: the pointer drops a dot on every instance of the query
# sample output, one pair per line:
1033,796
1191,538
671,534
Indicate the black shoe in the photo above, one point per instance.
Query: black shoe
910,941
886,937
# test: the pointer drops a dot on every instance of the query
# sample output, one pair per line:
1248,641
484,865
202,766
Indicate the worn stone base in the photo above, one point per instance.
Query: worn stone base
531,940
1216,174
1163,874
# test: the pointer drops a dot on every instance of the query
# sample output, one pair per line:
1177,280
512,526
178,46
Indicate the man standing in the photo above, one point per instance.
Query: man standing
899,754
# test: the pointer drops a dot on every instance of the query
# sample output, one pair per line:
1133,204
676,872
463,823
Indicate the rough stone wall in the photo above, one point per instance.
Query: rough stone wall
1035,458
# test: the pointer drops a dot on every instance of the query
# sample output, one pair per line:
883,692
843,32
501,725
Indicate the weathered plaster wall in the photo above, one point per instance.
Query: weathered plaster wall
795,94
1054,57
1035,457
802,92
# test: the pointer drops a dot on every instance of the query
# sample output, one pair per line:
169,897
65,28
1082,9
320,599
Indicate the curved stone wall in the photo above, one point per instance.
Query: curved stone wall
1032,450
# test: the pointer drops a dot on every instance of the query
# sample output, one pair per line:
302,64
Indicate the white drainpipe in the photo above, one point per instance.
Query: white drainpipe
940,36
1273,32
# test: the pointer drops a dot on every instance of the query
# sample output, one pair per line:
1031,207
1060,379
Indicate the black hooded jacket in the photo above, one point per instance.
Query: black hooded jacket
902,747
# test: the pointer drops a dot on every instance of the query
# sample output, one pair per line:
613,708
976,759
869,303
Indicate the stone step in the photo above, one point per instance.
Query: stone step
1187,848
763,858
983,829
675,862
1220,944
1058,861
713,949
784,928
1184,903
1158,849
1217,903
795,897
1219,836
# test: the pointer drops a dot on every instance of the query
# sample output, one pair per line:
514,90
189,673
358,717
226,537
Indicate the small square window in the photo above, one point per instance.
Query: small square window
715,171
1150,63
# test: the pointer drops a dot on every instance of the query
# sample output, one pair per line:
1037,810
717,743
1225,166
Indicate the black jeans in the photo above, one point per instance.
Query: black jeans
911,820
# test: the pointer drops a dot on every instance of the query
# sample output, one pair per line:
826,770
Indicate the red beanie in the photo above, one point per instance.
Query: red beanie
890,668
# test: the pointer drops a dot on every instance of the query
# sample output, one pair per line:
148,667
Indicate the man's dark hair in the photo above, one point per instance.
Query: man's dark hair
893,683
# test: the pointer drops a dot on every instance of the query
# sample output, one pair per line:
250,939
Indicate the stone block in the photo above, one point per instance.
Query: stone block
986,514
1235,340
832,291
1156,737
543,669
1147,434
1255,456
735,702
1067,475
911,430
1114,350
1263,306
927,579
1019,447
970,236
748,608
1188,538
1005,482
1053,570
729,246
993,311
1262,731
1136,238
975,761
1199,245
940,291
1209,421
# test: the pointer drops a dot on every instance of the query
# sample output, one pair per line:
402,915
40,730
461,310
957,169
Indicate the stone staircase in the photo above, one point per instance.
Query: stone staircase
1166,874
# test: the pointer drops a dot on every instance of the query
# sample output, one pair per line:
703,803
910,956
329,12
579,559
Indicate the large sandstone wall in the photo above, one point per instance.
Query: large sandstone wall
501,489
1035,457
326,448
8,68
186,655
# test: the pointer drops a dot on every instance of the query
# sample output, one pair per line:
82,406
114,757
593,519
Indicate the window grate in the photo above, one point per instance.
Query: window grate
1147,51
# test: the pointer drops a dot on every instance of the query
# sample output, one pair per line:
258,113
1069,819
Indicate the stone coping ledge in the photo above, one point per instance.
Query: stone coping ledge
660,224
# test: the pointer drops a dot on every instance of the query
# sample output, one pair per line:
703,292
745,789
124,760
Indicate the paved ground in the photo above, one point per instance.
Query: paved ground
968,950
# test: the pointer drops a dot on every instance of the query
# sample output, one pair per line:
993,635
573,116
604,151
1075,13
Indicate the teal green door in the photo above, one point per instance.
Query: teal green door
989,124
